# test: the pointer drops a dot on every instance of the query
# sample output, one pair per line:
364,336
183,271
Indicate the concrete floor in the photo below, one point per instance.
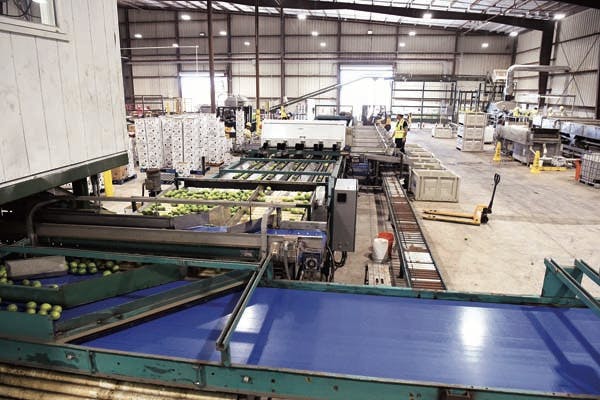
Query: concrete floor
535,216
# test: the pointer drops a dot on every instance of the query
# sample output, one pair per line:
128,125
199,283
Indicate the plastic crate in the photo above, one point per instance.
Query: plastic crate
469,144
590,168
472,119
434,185
442,132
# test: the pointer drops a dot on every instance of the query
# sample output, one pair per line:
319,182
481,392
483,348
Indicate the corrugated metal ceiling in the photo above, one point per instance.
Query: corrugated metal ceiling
529,9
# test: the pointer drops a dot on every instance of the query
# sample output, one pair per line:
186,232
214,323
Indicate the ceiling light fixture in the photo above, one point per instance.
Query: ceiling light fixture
559,16
301,17
202,34
369,32
137,36
513,34
186,17
223,33
323,44
427,15
246,43
485,45
175,45
412,33
314,33
402,44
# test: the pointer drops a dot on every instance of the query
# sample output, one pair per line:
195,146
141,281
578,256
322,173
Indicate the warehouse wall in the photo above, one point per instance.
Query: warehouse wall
577,45
62,99
307,65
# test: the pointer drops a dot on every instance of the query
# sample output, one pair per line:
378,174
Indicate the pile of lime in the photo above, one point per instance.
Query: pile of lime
91,267
4,276
37,284
31,307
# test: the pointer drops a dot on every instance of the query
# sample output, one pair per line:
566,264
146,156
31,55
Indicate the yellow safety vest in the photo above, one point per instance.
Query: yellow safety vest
399,132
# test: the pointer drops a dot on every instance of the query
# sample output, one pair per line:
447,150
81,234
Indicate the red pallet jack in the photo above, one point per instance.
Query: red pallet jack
480,216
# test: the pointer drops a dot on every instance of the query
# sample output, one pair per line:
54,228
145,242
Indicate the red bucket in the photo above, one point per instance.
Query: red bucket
389,236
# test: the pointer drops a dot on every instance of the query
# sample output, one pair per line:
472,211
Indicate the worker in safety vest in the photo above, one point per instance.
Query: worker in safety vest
400,132
283,113
247,132
516,112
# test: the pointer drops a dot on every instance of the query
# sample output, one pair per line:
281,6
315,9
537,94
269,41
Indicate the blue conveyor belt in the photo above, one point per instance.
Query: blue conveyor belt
466,343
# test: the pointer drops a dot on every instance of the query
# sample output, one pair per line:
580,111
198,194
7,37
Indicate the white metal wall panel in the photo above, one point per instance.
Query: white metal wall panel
426,44
578,25
193,28
530,83
472,44
356,28
529,40
297,27
528,57
480,64
296,87
367,43
581,86
424,67
150,16
168,87
580,54
248,68
267,25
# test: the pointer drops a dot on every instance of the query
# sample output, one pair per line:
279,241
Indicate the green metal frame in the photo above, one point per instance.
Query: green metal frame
140,258
54,178
263,381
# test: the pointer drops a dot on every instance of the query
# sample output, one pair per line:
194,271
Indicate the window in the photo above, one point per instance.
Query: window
36,11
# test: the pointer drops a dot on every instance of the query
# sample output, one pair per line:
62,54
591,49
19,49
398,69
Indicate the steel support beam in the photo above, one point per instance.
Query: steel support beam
282,59
229,54
178,55
598,88
573,285
127,68
211,57
535,24
256,54
545,57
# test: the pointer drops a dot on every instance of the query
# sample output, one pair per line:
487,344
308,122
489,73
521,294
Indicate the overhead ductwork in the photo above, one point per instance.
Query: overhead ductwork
510,75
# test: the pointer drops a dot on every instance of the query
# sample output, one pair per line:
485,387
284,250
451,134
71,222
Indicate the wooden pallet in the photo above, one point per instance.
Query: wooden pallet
124,180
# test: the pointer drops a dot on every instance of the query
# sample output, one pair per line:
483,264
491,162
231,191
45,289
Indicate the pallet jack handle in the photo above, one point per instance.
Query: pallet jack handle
496,182
488,210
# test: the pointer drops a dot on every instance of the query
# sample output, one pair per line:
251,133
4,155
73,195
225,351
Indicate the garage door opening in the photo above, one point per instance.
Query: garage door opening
367,96
195,89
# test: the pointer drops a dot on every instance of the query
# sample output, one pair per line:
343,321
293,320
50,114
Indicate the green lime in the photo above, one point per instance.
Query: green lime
73,264
57,308
82,271
31,304
25,282
110,264
36,284
43,312
55,315
12,308
30,311
93,270
106,273
46,307
115,268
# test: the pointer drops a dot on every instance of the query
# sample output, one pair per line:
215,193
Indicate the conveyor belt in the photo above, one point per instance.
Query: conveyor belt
511,347
419,266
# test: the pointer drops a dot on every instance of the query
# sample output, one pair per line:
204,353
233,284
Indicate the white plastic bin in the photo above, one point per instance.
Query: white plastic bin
434,185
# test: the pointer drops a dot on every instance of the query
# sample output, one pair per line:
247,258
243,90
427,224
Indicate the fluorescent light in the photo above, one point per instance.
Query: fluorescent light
314,33
323,44
485,45
513,34
175,45
301,17
427,15
40,1
559,16
186,17
202,34
369,32
137,36
412,33
246,43
223,33
402,44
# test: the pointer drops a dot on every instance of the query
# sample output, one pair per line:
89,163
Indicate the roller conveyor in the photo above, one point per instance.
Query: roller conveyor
419,266
509,347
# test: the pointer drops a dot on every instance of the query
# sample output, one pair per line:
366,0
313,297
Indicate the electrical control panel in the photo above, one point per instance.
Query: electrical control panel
344,202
